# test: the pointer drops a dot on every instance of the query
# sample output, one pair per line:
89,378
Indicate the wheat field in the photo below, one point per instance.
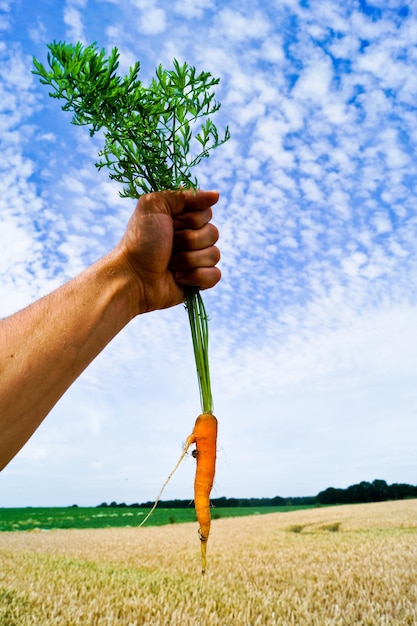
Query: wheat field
347,565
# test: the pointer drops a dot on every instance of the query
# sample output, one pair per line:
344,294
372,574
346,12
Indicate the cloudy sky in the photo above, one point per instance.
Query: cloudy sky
313,329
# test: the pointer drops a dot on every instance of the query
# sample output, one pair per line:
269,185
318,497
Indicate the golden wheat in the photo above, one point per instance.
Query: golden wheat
347,565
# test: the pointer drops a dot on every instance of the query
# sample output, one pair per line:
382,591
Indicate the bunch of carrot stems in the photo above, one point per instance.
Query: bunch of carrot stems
198,319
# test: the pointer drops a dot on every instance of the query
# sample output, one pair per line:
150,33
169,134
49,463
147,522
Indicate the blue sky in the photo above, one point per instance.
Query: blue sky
313,334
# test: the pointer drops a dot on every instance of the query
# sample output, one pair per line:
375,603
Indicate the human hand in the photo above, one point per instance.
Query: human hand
169,244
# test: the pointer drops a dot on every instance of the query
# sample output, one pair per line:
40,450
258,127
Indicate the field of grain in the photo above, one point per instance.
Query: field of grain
347,565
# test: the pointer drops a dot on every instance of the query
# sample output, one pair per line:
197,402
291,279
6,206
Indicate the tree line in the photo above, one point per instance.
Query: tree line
220,502
375,491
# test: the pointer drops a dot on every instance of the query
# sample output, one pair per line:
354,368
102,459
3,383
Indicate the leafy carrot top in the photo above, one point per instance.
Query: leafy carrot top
153,135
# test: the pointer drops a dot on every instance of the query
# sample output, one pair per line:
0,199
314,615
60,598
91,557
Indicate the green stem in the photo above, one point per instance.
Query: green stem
198,322
199,333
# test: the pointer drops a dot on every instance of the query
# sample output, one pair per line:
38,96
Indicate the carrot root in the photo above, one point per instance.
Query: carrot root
204,436
165,484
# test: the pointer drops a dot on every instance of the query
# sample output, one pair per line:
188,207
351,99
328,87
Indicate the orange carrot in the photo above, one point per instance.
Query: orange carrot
204,436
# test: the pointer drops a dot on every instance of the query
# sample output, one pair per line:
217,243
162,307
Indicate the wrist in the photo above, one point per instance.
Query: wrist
123,285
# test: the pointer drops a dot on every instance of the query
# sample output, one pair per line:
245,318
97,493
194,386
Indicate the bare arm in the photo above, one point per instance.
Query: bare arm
169,243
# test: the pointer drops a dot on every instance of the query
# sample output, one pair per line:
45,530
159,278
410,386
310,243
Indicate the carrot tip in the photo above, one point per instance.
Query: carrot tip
203,554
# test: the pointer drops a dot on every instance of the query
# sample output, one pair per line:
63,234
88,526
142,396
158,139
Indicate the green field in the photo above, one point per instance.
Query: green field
115,517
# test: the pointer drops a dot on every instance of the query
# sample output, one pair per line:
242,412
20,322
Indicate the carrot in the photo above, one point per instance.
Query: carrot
204,436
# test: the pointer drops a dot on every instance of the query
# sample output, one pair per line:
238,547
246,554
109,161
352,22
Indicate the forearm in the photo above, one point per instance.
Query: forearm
46,346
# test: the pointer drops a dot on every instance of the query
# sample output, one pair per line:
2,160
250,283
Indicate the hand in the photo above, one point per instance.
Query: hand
169,244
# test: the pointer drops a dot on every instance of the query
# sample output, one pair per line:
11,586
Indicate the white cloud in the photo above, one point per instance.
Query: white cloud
143,5
362,350
73,19
311,190
345,47
5,22
315,80
353,264
50,137
272,50
152,19
191,9
237,27
153,22
382,222
18,247
38,33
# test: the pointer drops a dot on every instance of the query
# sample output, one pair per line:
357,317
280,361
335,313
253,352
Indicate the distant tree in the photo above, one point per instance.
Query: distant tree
399,491
220,502
330,496
381,490
277,501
